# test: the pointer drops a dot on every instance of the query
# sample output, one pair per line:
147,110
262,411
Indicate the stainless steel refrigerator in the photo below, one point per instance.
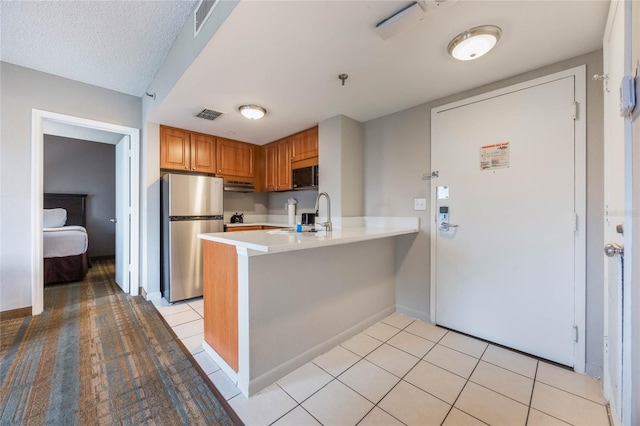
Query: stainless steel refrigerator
191,205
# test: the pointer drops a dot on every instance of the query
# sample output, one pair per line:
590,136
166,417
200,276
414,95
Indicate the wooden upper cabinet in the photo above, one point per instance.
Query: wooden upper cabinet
283,169
270,164
203,153
187,151
175,149
304,144
277,166
235,158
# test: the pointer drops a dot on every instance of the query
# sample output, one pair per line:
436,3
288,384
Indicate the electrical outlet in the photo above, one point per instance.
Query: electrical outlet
420,204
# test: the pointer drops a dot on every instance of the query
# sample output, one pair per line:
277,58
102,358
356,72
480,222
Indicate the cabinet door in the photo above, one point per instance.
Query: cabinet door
235,158
284,165
203,153
174,148
244,228
270,167
304,144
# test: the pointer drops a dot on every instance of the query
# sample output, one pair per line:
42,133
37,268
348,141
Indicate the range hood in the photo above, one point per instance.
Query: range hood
238,186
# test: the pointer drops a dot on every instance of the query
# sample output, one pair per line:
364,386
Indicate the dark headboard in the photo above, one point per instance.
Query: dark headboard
74,204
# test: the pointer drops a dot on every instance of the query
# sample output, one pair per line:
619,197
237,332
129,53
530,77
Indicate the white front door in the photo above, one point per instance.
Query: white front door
614,198
506,167
123,216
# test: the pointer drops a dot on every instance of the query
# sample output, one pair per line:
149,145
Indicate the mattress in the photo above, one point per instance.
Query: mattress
65,241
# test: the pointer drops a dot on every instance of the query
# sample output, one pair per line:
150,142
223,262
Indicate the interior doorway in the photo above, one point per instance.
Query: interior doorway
128,165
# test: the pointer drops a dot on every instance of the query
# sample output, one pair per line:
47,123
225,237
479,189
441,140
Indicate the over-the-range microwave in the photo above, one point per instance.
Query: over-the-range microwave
305,178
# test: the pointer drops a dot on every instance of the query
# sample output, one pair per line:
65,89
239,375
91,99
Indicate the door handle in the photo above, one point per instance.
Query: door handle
444,226
113,220
611,249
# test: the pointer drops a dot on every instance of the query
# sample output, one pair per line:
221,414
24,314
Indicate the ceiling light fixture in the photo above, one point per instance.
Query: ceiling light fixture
252,112
473,43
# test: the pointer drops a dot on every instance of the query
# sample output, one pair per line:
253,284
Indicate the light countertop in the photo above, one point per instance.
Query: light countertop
349,230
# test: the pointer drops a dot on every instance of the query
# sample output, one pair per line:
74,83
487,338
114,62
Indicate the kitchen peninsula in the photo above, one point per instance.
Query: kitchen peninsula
274,299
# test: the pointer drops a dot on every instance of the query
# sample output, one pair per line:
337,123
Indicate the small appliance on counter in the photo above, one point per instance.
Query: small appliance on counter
308,218
237,218
291,211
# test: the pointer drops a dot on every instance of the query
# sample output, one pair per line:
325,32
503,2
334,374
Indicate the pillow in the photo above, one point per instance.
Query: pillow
54,218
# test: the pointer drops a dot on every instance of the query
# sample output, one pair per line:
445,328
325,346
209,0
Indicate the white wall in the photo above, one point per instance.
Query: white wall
23,90
340,150
397,154
184,50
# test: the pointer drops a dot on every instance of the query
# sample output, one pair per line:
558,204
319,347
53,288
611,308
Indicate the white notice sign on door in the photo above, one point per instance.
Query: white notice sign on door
494,156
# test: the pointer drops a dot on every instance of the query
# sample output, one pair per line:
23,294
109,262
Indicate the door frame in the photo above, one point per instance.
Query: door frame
125,233
38,117
580,126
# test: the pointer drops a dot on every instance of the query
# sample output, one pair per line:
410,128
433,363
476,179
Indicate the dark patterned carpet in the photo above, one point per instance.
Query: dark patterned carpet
97,356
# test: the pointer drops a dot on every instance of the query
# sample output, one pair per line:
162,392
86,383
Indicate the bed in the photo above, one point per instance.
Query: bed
65,238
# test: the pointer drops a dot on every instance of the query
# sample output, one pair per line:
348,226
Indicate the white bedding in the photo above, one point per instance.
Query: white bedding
65,241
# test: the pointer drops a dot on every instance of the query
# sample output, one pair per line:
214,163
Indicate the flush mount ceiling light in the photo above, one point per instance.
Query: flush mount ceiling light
473,43
252,112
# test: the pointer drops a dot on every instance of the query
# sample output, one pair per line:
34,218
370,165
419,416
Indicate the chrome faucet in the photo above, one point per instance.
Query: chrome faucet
327,225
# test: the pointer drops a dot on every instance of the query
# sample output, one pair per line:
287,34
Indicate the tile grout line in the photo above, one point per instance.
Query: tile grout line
402,380
514,372
533,389
571,393
375,404
294,407
462,390
363,358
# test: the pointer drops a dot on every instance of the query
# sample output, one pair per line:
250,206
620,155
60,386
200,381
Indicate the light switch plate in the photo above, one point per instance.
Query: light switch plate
419,203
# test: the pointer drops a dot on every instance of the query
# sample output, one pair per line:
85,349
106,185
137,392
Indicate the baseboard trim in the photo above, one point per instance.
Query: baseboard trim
423,316
153,296
16,313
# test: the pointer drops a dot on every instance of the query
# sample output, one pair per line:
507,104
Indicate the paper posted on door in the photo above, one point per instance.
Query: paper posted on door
494,156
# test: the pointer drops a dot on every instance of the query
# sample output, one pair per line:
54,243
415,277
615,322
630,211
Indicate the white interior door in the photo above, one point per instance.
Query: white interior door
614,195
506,272
123,215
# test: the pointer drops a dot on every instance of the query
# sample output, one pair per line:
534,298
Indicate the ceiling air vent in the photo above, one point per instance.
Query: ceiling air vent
209,114
203,11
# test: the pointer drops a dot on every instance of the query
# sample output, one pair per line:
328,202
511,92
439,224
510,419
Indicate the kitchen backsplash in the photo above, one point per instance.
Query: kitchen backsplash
257,206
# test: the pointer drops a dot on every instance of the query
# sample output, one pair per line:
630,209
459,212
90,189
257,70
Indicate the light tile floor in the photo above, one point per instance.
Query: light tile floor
405,371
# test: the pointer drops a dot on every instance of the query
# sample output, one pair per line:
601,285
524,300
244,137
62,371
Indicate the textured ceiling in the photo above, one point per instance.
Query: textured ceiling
118,45
287,55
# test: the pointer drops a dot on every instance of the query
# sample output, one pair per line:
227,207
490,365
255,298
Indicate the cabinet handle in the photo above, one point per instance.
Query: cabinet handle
193,168
186,167
219,171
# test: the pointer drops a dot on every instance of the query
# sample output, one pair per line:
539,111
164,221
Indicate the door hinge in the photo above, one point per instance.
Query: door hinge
574,111
606,343
575,333
129,268
575,222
